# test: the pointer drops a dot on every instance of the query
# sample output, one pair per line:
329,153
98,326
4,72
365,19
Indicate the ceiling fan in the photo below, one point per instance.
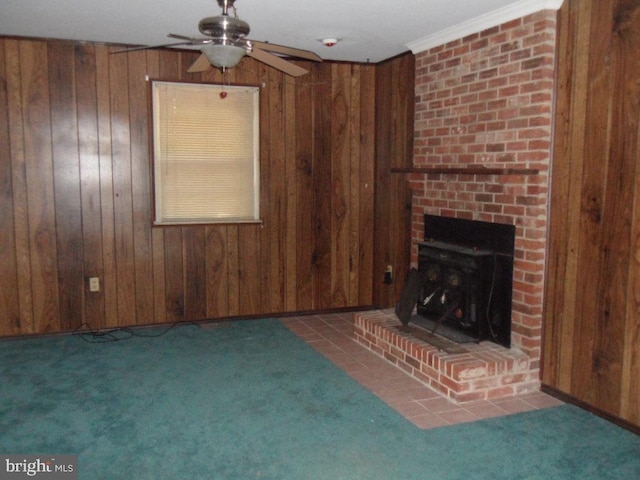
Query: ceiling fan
225,44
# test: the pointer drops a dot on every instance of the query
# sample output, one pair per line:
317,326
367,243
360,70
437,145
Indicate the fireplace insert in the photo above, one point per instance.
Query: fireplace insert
465,269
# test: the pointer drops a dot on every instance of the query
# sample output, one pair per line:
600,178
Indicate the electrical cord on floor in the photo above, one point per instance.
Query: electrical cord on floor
87,333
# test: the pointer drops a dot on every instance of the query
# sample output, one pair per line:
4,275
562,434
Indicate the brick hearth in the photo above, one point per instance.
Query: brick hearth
484,371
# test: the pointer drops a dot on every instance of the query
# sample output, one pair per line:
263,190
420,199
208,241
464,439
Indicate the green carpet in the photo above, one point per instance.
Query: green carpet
250,400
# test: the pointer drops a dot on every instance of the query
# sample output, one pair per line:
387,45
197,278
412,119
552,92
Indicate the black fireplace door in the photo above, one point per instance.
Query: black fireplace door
445,294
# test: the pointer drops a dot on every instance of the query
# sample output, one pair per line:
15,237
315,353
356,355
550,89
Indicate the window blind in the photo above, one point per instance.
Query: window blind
206,153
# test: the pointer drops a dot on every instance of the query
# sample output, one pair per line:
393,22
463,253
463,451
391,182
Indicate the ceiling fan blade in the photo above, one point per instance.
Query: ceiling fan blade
289,51
277,62
147,47
200,65
180,37
191,40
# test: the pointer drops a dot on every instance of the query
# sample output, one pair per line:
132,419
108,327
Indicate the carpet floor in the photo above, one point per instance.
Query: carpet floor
251,400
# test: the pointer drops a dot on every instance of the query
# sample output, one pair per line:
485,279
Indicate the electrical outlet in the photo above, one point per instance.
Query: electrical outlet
94,284
388,275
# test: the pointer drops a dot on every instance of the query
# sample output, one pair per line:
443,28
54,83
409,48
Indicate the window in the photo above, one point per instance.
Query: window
206,153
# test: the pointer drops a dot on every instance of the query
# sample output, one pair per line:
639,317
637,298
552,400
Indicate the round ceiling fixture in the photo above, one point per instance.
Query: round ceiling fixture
329,42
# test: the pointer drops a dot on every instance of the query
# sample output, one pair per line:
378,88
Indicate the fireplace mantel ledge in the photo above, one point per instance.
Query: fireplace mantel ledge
469,170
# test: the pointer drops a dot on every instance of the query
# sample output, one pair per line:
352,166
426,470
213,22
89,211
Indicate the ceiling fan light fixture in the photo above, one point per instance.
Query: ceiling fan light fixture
224,56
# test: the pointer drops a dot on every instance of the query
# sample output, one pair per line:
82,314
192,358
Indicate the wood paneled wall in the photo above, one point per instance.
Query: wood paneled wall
592,314
75,194
395,103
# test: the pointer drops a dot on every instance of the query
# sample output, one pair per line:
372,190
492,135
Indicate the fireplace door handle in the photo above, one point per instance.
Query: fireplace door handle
429,297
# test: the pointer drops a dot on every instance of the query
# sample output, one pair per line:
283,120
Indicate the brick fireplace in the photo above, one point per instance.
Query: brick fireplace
482,149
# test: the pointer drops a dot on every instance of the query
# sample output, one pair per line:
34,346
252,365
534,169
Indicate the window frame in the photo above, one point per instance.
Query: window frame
217,89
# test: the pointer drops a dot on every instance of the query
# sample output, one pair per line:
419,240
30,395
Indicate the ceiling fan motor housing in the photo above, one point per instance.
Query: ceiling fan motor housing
224,26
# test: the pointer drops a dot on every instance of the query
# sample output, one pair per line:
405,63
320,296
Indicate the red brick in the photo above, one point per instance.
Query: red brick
469,397
500,392
452,385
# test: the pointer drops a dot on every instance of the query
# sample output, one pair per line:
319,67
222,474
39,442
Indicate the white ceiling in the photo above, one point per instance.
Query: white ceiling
369,30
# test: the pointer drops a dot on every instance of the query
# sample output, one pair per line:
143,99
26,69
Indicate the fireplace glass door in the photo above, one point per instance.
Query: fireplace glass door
466,270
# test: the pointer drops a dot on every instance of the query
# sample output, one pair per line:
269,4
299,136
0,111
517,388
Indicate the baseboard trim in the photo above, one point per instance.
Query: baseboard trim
565,397
86,328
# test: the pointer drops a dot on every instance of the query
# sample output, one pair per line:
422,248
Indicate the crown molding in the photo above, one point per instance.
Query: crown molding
502,15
